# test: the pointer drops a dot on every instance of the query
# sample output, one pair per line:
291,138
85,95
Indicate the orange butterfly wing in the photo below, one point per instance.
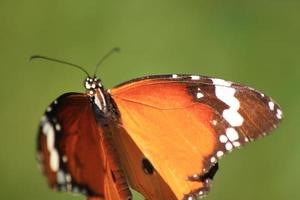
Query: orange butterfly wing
181,126
76,153
151,186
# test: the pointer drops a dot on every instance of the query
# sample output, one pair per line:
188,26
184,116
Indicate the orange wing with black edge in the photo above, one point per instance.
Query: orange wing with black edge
75,152
174,128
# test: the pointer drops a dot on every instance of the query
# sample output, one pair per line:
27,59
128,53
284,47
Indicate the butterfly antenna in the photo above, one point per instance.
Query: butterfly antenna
58,61
114,50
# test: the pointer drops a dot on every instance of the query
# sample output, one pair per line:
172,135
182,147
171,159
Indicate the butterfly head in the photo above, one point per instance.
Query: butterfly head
91,84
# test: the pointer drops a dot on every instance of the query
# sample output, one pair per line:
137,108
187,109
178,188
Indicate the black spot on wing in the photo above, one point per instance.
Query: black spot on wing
147,166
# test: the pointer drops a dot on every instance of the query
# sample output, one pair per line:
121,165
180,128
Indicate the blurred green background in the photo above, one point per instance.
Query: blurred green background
256,43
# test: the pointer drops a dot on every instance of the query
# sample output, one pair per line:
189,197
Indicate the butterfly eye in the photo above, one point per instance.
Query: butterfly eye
147,166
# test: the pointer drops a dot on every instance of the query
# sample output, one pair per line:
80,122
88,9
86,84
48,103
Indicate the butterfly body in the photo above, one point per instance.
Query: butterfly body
161,135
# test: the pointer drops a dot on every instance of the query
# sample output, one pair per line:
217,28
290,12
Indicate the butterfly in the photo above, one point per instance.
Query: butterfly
162,135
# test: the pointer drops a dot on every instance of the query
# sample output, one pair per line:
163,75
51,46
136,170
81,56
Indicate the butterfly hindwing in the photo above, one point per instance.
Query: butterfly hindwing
141,175
183,124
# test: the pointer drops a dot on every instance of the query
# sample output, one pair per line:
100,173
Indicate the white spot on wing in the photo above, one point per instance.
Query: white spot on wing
50,134
236,144
199,95
60,177
228,146
64,158
264,133
54,160
213,159
48,129
271,105
57,127
46,125
231,115
220,154
220,82
232,134
68,178
174,76
226,94
223,138
49,109
193,77
278,113
214,122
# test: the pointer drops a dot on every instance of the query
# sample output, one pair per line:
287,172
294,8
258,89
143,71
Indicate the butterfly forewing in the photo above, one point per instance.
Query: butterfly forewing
184,124
73,152
70,155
